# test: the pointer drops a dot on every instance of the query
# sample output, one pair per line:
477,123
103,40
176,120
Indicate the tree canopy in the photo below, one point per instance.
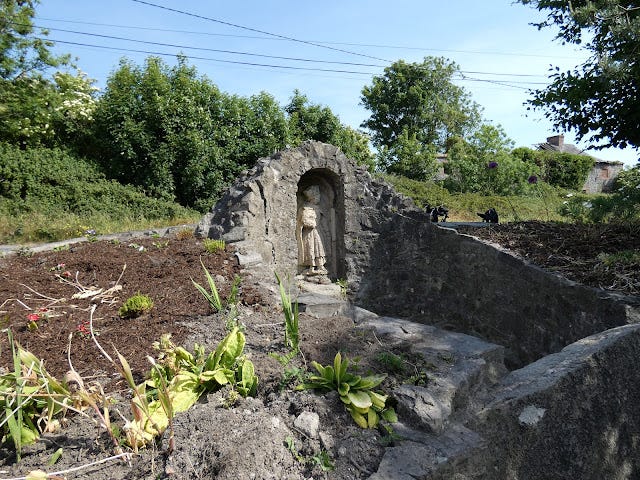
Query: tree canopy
599,100
415,109
421,100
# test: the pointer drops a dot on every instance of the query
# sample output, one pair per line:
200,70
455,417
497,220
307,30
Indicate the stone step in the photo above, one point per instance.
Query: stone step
420,454
463,368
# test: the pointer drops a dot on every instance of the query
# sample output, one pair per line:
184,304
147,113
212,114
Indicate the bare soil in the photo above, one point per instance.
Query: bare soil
253,438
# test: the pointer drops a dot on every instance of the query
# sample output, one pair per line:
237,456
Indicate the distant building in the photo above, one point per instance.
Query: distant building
603,174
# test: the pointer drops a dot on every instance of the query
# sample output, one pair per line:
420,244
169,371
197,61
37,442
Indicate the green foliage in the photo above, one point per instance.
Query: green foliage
420,101
409,158
291,331
214,245
559,169
215,302
356,392
136,305
23,51
176,135
598,100
29,398
321,459
464,206
61,192
315,122
186,377
212,296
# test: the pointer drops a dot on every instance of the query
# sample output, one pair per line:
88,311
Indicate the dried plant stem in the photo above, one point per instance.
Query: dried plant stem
125,455
104,417
93,336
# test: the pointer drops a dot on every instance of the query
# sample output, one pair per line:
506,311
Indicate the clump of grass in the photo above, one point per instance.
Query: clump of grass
213,245
135,306
184,234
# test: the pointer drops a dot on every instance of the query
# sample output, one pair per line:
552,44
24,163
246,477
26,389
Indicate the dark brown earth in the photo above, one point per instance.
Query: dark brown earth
604,256
45,284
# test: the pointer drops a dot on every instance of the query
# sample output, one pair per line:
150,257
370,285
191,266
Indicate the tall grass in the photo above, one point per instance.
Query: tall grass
541,202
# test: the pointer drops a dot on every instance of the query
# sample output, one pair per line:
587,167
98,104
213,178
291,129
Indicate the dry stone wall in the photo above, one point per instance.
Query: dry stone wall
397,263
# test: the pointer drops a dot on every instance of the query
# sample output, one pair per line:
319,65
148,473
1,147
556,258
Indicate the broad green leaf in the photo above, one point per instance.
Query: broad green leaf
343,389
328,374
359,399
378,399
389,415
359,418
371,381
372,418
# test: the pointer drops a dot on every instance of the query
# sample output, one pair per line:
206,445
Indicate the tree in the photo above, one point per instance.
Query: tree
21,53
484,164
599,100
314,122
175,135
418,100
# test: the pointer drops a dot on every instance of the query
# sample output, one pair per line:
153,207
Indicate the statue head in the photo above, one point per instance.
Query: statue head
312,194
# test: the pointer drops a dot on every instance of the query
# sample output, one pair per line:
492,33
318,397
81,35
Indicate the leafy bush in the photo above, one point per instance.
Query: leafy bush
559,169
47,194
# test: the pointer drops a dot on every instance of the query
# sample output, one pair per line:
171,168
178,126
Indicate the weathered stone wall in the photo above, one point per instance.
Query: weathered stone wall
571,415
258,213
397,263
436,276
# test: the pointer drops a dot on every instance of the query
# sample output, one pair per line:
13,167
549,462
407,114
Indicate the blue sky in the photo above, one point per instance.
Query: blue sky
499,52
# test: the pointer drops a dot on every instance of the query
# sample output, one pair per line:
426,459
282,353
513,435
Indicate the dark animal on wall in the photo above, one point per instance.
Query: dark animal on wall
490,216
436,212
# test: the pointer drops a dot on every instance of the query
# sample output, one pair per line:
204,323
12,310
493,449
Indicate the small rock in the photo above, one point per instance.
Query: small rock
308,423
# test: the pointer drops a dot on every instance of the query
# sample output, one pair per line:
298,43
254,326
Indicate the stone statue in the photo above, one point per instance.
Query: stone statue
311,253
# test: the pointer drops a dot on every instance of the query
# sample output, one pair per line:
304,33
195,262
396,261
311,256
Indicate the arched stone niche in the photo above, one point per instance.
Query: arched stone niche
330,217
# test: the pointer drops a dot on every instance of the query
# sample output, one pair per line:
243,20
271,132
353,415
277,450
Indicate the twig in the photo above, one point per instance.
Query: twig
126,455
93,336
40,294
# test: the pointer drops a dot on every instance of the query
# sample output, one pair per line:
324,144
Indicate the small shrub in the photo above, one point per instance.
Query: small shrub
184,234
214,246
135,306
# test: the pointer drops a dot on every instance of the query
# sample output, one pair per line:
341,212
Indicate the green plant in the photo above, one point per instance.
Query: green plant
291,331
322,459
212,297
184,377
160,245
29,398
135,306
344,285
356,392
213,245
391,362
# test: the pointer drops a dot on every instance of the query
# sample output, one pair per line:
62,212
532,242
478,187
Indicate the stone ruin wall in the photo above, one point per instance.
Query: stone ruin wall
397,263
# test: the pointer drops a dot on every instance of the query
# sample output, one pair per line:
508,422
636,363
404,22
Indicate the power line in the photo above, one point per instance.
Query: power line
148,52
234,52
284,37
323,42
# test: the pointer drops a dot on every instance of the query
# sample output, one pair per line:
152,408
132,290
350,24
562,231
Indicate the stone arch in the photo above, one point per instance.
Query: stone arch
331,218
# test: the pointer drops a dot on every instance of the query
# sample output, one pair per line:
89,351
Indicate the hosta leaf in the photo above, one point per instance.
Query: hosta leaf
372,418
359,418
371,381
328,374
378,399
389,415
359,399
343,389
